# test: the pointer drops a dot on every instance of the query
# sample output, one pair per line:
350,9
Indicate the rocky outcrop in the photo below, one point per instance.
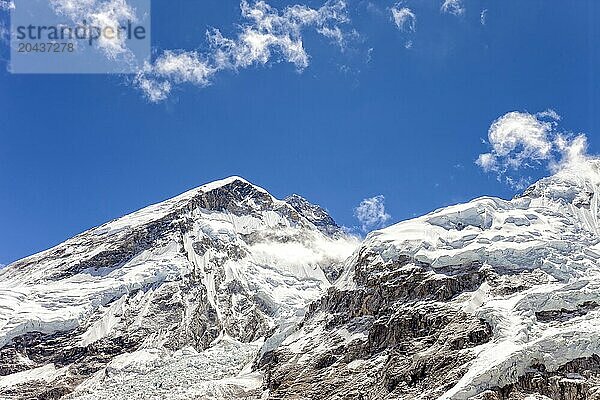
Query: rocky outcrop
576,380
397,331
315,214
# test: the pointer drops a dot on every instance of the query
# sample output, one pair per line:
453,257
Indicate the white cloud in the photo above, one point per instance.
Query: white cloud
371,213
269,35
573,151
369,56
100,13
173,68
4,27
549,113
155,90
4,33
404,18
520,140
335,34
518,183
296,254
183,67
6,5
454,7
483,16
487,161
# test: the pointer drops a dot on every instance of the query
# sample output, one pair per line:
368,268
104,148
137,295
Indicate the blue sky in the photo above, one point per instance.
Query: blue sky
374,118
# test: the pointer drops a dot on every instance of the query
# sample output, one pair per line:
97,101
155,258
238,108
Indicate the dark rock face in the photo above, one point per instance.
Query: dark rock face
137,241
36,349
576,380
410,339
240,198
38,390
315,214
564,314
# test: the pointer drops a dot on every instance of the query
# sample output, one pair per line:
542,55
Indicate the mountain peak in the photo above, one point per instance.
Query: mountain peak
577,184
233,194
234,179
212,277
315,214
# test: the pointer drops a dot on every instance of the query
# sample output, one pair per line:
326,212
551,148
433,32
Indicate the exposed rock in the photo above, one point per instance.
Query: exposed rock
315,214
564,314
577,380
404,336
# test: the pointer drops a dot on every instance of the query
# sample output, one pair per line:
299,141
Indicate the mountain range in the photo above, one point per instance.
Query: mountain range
225,292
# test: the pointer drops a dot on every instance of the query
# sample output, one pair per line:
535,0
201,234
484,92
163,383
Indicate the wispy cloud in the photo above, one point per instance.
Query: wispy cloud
404,18
520,141
517,139
454,7
156,80
100,13
483,16
6,5
371,213
4,33
269,35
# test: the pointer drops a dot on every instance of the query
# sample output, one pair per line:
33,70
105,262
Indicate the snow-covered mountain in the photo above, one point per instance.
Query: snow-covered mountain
225,292
173,301
491,299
